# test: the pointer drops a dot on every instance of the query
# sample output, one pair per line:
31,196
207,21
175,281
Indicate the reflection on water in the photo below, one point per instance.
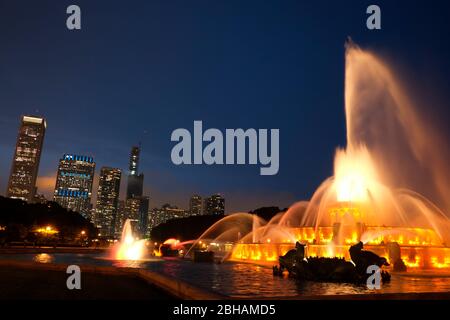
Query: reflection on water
248,280
43,258
126,263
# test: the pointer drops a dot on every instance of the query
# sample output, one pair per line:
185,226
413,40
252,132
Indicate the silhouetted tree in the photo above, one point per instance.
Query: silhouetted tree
191,228
21,219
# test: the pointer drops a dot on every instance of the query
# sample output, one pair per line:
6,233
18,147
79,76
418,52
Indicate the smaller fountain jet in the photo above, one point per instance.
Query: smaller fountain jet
129,248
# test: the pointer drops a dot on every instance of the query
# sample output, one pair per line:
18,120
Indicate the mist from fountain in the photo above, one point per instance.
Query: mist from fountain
228,230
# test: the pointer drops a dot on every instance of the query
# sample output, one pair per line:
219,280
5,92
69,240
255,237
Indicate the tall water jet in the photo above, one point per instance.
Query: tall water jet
255,227
390,152
129,247
407,152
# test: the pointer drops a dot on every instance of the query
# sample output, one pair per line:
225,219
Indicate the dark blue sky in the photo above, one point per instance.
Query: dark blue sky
140,69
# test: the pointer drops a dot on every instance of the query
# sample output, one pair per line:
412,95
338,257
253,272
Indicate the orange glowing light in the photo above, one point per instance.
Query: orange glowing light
129,248
173,242
48,230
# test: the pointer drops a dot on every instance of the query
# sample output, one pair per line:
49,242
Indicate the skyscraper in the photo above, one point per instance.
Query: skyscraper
120,219
215,204
143,215
107,200
132,207
195,205
134,160
74,180
136,206
135,183
25,165
137,209
156,217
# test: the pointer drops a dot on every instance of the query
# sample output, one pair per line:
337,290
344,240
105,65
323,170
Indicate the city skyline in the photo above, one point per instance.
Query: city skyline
74,187
134,187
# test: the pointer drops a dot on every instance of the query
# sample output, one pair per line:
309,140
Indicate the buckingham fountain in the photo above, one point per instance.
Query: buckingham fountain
385,205
372,198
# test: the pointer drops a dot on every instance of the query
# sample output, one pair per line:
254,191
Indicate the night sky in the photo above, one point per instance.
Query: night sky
140,69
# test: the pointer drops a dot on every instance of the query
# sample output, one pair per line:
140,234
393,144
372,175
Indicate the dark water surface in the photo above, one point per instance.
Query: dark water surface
248,280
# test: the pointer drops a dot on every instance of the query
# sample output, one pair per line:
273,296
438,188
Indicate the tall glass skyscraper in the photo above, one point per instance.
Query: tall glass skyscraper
134,160
135,184
106,210
25,165
136,206
74,180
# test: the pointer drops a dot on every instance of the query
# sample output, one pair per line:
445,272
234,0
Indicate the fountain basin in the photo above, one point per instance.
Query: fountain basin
413,256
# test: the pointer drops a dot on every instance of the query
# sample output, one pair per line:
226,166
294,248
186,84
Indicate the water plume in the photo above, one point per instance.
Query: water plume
129,248
390,182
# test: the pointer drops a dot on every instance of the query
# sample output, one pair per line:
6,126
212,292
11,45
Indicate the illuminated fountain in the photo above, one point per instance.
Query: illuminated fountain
129,247
389,153
223,234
